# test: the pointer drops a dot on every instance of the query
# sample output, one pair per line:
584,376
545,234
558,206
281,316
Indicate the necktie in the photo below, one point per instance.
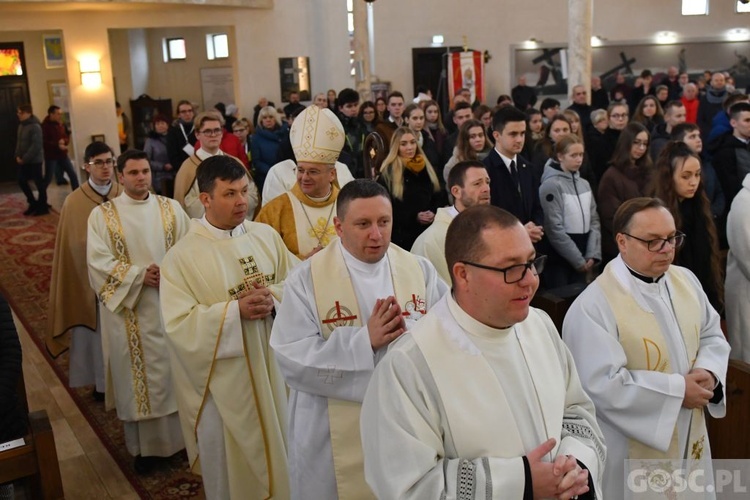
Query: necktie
514,175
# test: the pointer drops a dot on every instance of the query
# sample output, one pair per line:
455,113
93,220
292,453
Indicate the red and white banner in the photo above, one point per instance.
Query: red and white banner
466,70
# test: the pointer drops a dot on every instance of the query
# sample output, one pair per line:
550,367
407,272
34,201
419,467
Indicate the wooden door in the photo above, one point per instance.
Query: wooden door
14,90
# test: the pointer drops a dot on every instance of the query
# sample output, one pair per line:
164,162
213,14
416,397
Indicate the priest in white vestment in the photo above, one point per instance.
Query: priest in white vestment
341,309
217,296
469,184
209,131
282,176
737,285
649,348
127,240
481,398
303,216
72,315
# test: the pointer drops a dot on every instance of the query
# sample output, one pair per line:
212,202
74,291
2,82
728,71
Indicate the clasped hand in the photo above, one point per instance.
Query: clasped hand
562,479
386,323
256,303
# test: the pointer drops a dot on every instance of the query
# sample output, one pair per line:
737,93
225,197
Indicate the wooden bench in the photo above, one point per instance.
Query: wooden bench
35,463
730,436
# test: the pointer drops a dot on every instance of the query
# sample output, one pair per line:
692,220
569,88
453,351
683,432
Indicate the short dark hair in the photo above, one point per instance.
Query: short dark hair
395,93
25,108
673,104
659,88
130,154
356,189
680,131
624,214
461,105
184,102
734,99
646,72
464,240
347,96
548,103
96,148
457,175
220,167
737,108
52,109
505,115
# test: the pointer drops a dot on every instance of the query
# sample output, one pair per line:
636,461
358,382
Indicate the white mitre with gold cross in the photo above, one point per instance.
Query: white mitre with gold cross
317,136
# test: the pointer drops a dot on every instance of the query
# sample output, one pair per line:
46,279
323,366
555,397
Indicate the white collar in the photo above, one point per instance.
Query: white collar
102,190
222,234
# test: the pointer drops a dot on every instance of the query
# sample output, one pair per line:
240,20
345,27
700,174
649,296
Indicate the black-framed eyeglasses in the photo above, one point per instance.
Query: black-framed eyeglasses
110,162
211,132
658,244
514,274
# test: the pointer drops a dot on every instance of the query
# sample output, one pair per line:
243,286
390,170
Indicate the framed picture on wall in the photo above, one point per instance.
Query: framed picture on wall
53,51
58,95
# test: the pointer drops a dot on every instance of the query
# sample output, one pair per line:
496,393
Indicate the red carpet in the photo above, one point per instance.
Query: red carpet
26,248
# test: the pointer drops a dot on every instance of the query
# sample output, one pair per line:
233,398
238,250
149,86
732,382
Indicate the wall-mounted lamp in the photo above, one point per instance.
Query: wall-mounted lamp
738,34
666,37
531,43
596,41
437,40
91,72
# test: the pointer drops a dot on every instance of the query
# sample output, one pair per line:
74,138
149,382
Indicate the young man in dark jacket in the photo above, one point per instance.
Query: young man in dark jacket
29,157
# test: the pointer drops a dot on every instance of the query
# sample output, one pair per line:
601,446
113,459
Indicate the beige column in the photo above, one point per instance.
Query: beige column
361,47
580,29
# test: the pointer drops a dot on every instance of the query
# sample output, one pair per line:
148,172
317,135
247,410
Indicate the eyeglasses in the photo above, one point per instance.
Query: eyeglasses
239,130
211,132
514,274
109,162
658,244
619,116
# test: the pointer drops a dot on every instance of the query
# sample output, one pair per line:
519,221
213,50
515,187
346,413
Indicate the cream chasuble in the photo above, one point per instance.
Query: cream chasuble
186,190
325,355
455,405
72,302
302,222
125,236
216,355
633,343
431,243
283,176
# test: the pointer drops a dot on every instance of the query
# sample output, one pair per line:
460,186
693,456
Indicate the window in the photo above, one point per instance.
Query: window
350,28
694,7
174,49
743,6
217,46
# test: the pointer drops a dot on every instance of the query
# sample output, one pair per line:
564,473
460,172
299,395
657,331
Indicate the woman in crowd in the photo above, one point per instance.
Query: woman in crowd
434,120
331,100
648,113
576,129
413,186
472,144
242,130
677,181
265,143
534,132
556,129
368,115
381,106
414,116
627,177
483,113
571,222
163,172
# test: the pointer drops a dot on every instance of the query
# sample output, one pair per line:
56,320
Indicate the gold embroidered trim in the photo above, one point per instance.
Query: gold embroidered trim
137,363
252,274
114,280
117,239
168,219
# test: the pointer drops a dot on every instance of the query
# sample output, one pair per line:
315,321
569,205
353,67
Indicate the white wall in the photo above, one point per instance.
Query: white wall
317,29
496,25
